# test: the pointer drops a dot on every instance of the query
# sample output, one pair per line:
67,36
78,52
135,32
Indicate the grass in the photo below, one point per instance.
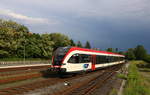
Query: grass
137,84
122,76
113,92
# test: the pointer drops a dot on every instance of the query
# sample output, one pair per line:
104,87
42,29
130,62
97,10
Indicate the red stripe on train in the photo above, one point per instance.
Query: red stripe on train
89,50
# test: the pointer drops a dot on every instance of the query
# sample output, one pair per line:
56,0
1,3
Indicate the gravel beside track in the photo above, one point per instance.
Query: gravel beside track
80,84
10,75
88,86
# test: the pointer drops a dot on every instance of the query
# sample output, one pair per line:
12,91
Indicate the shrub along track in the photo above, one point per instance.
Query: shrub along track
78,88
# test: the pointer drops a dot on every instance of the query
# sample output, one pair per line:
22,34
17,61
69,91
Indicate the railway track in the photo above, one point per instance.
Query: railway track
87,87
23,67
84,87
36,85
13,73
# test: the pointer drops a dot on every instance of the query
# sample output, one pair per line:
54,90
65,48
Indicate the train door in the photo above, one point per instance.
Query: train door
93,62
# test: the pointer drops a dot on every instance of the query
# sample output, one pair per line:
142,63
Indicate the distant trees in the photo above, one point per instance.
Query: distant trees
87,45
147,58
138,53
60,40
109,49
11,38
16,41
79,44
115,50
72,43
130,54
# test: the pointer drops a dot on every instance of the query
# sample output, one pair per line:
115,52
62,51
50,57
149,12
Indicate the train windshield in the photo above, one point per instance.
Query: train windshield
59,54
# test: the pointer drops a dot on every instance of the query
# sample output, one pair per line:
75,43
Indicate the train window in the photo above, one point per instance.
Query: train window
74,58
116,58
107,59
101,59
79,58
97,60
85,58
121,58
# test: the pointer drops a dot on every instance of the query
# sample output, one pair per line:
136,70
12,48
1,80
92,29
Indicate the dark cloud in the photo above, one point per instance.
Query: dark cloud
114,23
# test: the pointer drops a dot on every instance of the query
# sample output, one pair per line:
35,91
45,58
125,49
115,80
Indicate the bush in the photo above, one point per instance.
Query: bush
147,58
134,84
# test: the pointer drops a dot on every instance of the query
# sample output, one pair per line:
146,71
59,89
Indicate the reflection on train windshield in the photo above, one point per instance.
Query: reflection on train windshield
59,54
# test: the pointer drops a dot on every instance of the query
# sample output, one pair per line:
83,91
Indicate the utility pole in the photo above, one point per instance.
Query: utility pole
24,49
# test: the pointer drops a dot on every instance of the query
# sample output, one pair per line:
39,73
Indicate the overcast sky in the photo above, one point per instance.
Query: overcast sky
105,23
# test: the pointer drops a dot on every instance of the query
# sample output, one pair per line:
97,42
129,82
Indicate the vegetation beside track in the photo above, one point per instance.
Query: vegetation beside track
17,41
138,80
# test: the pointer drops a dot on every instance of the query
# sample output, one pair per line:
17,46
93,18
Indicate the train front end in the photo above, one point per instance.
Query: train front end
57,60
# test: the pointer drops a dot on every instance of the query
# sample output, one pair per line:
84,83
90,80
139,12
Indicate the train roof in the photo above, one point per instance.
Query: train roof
96,51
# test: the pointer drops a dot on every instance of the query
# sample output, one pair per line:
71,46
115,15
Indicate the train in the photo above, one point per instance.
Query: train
76,60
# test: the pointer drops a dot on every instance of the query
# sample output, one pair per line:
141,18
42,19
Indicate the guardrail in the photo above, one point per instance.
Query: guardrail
9,63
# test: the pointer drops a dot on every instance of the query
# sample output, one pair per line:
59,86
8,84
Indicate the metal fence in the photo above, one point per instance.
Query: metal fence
12,63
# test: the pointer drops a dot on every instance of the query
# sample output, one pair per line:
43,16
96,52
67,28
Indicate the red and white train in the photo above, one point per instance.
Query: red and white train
74,59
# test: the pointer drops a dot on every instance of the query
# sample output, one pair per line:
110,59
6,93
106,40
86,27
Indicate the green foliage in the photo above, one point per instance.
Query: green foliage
11,37
16,42
121,52
46,45
72,43
121,76
134,82
140,52
115,50
88,45
130,54
79,44
110,50
147,58
113,92
3,54
60,40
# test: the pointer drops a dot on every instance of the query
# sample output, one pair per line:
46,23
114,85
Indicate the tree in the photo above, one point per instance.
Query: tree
87,45
147,59
130,54
121,52
33,46
16,41
3,54
140,52
60,40
110,50
46,45
79,44
11,37
116,50
72,43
